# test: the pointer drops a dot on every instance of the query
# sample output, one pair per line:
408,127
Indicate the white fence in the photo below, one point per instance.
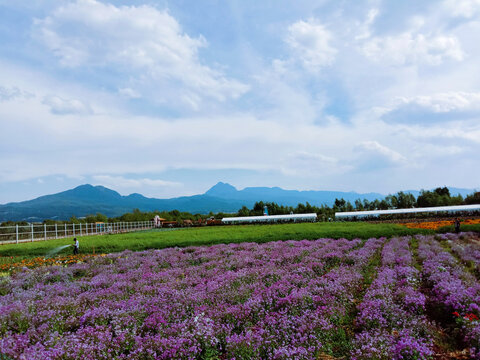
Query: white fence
37,232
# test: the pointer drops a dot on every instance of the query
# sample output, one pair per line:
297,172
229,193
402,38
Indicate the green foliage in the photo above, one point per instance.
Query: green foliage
244,211
323,212
450,228
438,197
473,198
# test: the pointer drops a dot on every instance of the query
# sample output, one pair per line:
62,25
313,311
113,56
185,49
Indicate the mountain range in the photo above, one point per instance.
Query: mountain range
88,199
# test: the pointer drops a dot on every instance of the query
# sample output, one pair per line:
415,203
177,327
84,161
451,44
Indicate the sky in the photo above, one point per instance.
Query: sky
166,98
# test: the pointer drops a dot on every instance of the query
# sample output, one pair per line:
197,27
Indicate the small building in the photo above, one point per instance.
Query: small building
187,222
158,221
169,224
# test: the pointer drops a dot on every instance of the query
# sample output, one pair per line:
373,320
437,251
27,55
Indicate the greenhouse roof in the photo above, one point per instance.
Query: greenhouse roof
271,218
456,208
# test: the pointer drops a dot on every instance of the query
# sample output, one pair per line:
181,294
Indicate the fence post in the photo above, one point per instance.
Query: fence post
17,232
80,229
86,228
45,231
56,231
73,224
65,229
32,232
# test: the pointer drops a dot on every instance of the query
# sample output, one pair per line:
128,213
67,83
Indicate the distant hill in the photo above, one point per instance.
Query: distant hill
88,199
285,197
453,191
223,197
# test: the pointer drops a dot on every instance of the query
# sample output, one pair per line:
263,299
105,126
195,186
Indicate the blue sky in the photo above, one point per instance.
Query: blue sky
166,98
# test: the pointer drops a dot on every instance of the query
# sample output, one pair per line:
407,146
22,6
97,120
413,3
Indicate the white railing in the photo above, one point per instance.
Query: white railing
37,232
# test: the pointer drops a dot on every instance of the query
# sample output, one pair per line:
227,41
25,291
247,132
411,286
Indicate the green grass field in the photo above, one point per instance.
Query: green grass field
158,239
450,228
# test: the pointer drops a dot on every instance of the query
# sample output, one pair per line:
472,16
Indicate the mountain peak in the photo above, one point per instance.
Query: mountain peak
90,191
221,189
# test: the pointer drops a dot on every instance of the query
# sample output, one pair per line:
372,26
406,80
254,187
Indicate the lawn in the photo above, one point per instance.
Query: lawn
159,239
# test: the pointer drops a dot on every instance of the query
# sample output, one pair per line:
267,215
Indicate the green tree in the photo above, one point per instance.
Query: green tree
442,191
473,198
258,208
101,218
405,200
339,205
359,205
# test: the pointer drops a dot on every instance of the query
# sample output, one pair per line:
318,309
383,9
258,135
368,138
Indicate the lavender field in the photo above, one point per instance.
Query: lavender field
400,298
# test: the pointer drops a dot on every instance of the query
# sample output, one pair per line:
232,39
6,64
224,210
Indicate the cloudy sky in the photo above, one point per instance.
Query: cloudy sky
166,98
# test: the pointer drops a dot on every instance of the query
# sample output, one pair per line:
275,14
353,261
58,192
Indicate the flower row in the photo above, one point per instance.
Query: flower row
43,261
467,250
434,225
453,289
391,317
279,300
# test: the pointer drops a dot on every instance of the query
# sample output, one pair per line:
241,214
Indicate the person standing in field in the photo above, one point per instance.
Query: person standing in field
457,225
76,246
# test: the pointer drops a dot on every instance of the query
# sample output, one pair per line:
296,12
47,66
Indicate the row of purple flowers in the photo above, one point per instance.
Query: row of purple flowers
467,251
391,315
279,300
453,289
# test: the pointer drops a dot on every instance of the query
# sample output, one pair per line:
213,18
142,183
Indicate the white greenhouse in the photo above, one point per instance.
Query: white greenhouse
451,209
271,218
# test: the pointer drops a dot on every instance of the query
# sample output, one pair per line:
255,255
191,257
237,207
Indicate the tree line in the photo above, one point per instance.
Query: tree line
427,198
401,200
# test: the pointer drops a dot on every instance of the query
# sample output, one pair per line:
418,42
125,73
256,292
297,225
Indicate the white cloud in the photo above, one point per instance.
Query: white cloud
314,157
371,155
310,43
440,107
364,29
446,102
313,164
60,106
12,93
129,93
410,49
123,182
462,8
321,131
144,42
